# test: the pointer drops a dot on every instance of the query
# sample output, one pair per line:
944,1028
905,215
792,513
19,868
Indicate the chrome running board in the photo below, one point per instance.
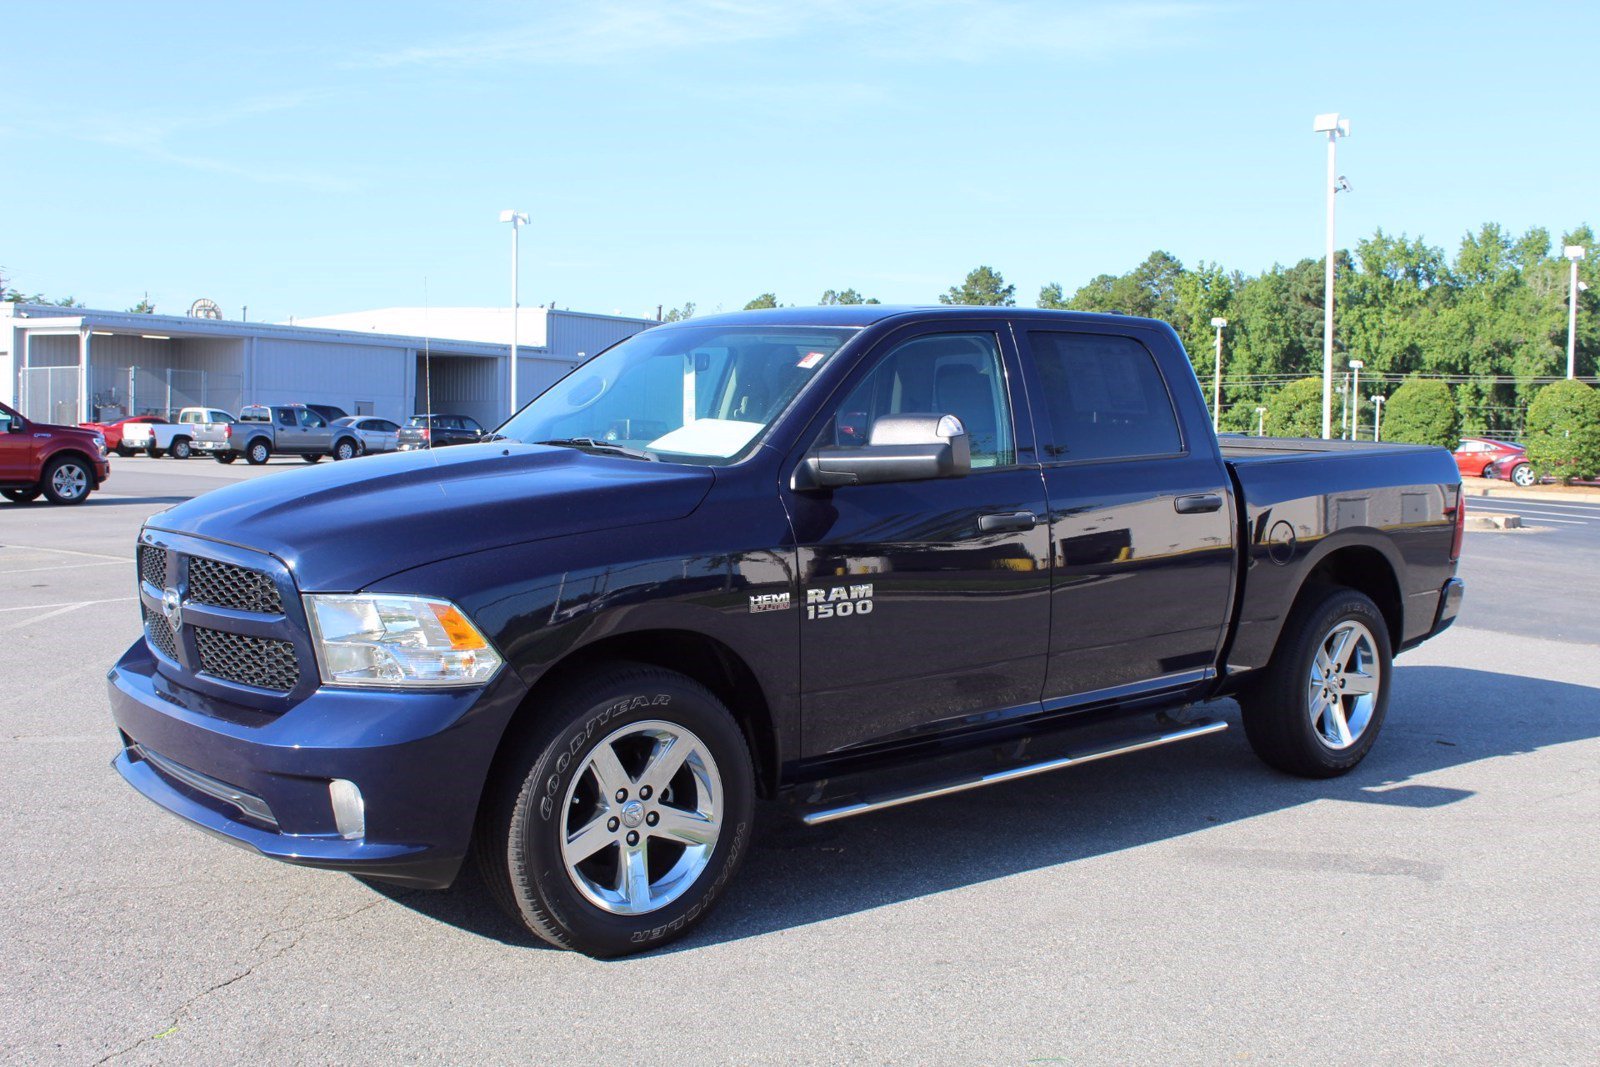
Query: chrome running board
1188,731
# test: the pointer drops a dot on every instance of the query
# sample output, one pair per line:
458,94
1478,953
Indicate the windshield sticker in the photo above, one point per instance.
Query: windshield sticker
810,359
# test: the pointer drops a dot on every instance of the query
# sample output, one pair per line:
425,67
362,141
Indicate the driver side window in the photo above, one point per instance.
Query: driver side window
956,374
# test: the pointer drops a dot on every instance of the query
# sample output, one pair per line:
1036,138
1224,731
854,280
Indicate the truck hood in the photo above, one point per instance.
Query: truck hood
342,526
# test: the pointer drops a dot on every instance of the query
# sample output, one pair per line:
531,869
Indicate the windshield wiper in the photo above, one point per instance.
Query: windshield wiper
589,444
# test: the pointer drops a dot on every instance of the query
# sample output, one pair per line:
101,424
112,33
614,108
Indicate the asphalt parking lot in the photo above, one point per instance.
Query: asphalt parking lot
1180,905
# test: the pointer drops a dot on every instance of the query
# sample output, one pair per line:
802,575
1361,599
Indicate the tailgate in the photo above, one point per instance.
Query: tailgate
138,434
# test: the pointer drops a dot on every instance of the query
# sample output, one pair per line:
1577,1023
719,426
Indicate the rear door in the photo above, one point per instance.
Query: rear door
286,433
16,449
1141,516
925,605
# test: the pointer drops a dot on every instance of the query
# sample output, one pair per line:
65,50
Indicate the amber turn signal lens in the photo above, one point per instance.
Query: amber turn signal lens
463,635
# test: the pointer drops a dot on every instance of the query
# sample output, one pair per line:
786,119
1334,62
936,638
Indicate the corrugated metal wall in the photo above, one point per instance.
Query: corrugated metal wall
571,333
139,375
316,372
464,385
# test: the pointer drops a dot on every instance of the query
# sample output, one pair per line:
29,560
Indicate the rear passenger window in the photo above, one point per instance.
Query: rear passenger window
1105,397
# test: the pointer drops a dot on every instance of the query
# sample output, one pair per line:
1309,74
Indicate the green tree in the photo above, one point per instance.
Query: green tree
984,287
1051,296
845,296
765,300
1421,412
1563,432
679,314
144,307
1296,409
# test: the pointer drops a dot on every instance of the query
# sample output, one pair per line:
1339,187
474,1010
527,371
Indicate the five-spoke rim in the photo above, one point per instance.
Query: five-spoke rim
1344,683
70,481
641,818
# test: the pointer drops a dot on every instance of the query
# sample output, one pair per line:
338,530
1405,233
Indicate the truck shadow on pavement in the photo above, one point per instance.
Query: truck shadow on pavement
1439,717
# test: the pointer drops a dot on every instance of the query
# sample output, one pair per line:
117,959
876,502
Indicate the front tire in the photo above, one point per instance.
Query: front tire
618,815
345,449
67,480
1522,474
1320,703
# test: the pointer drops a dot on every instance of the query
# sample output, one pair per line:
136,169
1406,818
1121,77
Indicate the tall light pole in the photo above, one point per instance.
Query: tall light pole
1574,253
1377,418
1335,127
1216,388
518,220
1355,400
1261,422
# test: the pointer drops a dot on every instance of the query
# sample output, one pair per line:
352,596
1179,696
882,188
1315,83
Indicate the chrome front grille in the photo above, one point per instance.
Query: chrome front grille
258,661
225,585
153,565
159,634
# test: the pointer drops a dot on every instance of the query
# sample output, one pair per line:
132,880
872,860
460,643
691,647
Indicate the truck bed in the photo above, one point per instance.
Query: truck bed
1241,449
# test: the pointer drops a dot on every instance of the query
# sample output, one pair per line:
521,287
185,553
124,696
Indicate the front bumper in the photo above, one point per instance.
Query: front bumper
420,760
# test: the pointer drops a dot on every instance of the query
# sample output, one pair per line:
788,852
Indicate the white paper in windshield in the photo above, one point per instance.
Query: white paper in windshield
708,437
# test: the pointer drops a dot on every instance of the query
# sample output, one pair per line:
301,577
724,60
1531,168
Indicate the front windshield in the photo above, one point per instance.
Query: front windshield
691,394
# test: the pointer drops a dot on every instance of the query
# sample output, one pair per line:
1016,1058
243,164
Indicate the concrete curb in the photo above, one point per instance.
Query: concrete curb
1487,521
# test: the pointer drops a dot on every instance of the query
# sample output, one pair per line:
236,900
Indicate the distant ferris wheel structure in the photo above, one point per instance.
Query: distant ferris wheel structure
204,309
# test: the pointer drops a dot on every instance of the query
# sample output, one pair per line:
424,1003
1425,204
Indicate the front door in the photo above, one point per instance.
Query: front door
316,435
1141,519
16,448
925,605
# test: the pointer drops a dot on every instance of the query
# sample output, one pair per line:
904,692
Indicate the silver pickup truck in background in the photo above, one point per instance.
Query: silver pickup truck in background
171,438
263,430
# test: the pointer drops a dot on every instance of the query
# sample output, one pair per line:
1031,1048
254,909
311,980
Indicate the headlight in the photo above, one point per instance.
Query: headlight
397,641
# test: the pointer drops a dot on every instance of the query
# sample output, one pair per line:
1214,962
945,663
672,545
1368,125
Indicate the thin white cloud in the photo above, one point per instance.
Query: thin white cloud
960,30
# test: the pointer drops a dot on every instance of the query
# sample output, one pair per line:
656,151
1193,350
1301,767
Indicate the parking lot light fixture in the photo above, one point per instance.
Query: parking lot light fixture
1573,253
1377,418
1355,399
1216,387
1334,127
518,219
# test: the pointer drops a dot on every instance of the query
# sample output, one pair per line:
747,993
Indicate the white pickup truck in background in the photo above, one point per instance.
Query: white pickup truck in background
175,438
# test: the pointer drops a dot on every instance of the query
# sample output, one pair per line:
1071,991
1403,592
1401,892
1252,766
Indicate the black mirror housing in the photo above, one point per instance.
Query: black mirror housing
903,448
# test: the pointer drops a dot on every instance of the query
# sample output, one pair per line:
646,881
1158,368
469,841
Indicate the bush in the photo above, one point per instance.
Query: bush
1296,409
1563,433
1422,413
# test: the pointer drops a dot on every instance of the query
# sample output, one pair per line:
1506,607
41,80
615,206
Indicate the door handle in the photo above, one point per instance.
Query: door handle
1008,520
1199,502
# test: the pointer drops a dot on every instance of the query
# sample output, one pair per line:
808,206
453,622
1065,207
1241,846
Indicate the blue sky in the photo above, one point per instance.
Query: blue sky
307,158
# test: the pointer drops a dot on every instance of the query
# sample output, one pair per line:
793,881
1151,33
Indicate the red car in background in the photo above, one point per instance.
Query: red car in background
112,431
1488,457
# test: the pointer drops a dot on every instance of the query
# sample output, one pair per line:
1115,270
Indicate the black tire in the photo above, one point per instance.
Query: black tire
541,780
124,451
257,452
226,457
345,449
1278,708
153,452
20,496
67,480
311,457
181,449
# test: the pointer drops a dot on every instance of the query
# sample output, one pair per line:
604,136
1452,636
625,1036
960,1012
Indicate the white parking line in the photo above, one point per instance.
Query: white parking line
69,552
1544,518
71,566
70,604
1512,501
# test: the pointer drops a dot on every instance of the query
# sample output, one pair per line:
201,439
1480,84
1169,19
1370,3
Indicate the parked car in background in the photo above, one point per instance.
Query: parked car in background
263,429
329,411
433,431
377,435
176,439
1489,457
112,431
64,464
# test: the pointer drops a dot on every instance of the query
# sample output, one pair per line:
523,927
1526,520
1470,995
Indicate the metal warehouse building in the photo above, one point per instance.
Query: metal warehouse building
68,365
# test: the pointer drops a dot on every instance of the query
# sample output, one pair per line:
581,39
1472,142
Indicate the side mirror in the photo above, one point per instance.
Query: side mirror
902,448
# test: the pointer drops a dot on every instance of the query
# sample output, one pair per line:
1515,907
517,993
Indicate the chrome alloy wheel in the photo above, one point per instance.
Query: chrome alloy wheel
642,818
1343,687
70,481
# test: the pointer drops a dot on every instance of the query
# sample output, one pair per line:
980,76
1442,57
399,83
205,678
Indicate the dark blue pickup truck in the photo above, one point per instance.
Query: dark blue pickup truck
823,556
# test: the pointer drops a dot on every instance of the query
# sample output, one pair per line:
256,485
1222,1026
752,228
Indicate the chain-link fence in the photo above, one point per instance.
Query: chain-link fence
50,394
166,392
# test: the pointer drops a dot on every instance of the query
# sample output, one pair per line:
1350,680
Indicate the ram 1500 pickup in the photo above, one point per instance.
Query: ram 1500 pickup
825,556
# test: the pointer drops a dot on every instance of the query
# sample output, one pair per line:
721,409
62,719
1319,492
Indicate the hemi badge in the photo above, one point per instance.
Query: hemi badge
769,602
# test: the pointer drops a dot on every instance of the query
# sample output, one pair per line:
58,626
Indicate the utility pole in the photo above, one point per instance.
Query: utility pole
1377,418
1335,127
1355,399
1261,422
1216,388
518,220
1574,253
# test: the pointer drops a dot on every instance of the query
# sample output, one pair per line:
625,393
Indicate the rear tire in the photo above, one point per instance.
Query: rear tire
312,457
153,452
345,449
20,496
67,480
657,844
226,457
257,453
1317,709
181,448
124,451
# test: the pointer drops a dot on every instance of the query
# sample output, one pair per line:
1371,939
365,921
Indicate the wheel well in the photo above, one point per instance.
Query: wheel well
706,660
1365,570
71,453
